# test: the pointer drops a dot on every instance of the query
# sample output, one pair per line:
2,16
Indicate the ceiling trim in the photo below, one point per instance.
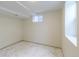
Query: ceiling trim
10,11
25,7
5,9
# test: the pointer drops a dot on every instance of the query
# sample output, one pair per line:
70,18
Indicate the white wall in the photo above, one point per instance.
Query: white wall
69,49
47,32
11,30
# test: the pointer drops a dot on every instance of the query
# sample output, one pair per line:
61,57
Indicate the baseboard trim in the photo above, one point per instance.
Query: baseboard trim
42,44
30,42
11,44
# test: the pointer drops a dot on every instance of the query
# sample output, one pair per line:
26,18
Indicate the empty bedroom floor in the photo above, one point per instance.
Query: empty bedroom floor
30,49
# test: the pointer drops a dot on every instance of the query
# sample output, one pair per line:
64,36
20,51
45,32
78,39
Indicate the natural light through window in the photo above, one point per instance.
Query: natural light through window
37,18
70,22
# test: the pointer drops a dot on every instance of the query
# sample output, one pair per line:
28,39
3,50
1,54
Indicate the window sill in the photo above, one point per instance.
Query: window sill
72,39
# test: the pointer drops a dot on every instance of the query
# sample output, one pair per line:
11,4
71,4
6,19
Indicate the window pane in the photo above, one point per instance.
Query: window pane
37,19
70,19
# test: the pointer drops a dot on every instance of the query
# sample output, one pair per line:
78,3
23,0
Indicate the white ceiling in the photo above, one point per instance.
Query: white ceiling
27,8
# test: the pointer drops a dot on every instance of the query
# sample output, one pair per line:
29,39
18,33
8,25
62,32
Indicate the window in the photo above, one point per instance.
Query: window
37,18
70,21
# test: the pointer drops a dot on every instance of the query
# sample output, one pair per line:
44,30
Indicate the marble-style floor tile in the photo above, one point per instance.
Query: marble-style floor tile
28,49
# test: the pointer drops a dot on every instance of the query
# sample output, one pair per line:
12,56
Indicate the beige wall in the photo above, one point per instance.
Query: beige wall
69,49
47,32
11,30
78,23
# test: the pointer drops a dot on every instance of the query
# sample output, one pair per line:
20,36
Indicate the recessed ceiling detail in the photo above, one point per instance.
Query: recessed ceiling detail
27,8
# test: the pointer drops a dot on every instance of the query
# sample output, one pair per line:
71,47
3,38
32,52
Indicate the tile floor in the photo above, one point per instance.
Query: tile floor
28,49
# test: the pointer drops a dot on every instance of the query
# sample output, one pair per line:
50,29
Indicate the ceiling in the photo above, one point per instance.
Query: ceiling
28,8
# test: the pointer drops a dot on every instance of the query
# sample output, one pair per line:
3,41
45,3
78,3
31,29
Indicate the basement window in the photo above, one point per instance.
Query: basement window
70,22
37,18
